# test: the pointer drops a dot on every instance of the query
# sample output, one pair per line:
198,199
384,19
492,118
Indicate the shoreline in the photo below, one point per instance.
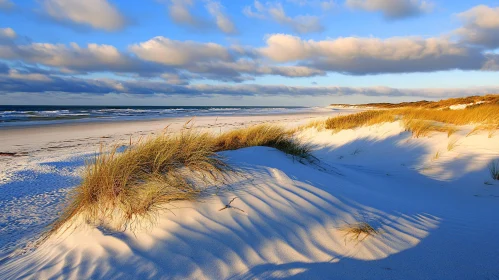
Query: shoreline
12,138
85,121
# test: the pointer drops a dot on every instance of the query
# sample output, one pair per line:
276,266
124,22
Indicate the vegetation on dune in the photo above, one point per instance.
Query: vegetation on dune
262,135
419,121
119,190
441,104
359,232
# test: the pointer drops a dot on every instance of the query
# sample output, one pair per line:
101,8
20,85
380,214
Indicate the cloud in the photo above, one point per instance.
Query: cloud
99,14
7,34
6,5
74,59
301,24
172,52
158,57
393,9
360,56
212,61
481,26
180,13
15,82
222,21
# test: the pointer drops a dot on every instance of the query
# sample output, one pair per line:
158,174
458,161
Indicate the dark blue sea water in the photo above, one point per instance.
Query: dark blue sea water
11,116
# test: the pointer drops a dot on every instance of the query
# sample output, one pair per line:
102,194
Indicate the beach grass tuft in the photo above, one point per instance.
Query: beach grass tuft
358,232
122,190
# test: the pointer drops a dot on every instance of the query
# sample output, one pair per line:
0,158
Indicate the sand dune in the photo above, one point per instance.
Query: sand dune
436,216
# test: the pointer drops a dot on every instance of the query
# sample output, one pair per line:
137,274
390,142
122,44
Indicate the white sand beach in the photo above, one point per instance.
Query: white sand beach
434,205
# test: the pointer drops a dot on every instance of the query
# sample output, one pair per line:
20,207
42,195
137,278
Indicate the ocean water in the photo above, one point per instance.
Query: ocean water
12,116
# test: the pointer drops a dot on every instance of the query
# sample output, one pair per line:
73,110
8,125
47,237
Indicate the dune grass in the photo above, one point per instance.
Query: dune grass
262,135
419,121
121,190
359,232
359,119
441,104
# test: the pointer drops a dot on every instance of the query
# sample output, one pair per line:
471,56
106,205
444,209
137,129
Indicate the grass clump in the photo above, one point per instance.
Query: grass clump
359,232
420,121
422,128
494,169
358,119
120,190
262,135
441,104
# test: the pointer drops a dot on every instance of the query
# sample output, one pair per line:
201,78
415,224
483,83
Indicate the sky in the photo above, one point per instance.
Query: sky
246,52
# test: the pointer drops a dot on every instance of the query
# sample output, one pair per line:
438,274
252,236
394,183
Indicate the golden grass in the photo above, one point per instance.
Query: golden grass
262,135
419,121
452,144
422,128
441,104
357,120
359,232
122,190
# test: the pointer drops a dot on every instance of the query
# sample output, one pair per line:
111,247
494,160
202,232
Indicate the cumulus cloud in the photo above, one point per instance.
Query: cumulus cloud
7,33
180,13
301,24
99,14
481,26
359,56
74,58
212,61
172,52
393,9
6,5
180,61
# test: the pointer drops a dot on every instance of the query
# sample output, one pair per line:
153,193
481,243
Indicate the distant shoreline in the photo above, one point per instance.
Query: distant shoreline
93,121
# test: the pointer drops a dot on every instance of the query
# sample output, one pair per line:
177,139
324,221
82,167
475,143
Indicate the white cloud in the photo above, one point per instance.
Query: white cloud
180,13
372,55
223,22
93,58
481,26
172,52
7,33
301,24
393,9
6,5
99,14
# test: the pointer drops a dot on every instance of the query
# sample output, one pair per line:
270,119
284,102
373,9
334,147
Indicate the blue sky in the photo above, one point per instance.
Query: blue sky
244,52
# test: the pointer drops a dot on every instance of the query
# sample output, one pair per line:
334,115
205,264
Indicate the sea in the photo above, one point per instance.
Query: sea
21,115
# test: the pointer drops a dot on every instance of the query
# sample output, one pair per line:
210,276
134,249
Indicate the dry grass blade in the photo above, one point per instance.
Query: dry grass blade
359,232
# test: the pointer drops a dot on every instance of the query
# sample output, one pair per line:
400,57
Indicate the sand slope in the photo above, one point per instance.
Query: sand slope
436,214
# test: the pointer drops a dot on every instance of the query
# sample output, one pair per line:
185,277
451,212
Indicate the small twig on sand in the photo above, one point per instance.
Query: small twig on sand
230,206
5,154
